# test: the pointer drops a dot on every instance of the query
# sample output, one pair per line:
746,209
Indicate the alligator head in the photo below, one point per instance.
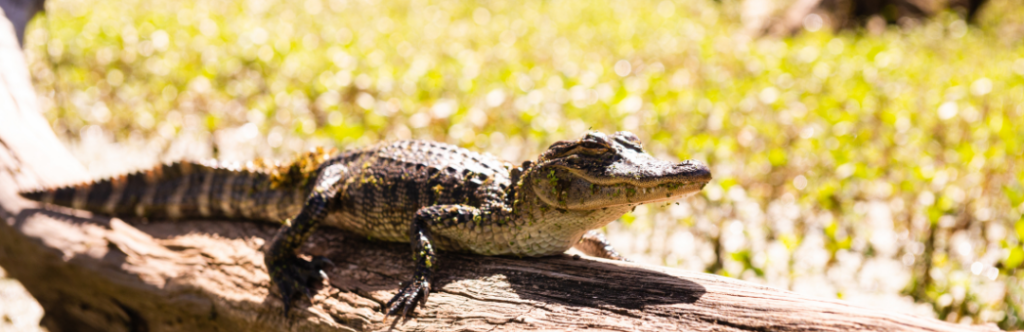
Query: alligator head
600,171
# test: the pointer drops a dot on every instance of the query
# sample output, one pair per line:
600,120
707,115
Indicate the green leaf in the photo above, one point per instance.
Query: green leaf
1015,258
1020,228
777,157
628,218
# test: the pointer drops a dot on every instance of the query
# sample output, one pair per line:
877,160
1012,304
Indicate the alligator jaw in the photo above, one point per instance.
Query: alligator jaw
649,174
668,182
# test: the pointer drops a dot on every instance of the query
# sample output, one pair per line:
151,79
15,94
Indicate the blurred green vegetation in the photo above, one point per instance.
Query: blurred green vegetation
834,154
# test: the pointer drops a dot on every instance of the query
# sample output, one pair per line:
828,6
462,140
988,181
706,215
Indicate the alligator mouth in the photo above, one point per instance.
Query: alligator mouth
628,194
662,182
650,176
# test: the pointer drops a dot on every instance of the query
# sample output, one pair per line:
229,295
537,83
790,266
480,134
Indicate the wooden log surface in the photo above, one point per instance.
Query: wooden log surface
93,273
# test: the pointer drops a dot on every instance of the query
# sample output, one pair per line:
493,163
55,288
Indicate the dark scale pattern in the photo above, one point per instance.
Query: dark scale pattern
191,194
182,190
134,185
437,197
98,194
216,198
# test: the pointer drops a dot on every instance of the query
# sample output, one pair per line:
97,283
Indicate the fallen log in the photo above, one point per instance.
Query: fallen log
93,273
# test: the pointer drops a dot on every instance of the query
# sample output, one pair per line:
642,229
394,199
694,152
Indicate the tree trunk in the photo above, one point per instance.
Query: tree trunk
19,12
94,273
872,14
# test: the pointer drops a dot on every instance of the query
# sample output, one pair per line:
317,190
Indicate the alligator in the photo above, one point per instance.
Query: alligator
435,196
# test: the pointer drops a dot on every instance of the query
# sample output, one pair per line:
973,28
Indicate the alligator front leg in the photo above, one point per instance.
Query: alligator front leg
595,244
290,273
416,291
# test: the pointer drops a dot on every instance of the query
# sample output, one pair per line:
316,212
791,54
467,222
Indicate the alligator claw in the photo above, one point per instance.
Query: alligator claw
408,298
293,275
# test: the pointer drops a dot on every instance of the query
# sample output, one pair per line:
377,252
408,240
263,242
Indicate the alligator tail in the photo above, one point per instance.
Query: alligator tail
187,190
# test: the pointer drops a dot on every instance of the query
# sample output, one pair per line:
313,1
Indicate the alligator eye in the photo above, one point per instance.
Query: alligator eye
628,139
594,146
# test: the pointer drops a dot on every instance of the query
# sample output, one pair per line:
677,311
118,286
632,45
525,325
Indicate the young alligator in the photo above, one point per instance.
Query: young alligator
432,195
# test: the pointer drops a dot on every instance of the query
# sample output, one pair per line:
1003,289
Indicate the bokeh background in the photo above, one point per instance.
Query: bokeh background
881,166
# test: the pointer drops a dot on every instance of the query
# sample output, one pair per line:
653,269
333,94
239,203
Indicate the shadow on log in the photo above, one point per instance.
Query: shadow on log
94,273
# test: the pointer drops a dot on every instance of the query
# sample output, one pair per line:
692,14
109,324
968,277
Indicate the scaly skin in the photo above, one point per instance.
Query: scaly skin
436,197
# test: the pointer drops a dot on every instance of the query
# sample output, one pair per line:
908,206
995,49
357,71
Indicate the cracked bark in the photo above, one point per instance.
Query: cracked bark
93,273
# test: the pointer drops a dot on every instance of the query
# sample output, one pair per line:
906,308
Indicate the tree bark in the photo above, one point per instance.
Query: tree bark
93,273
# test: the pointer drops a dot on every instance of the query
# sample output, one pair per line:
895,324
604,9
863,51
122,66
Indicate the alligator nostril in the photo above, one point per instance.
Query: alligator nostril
691,162
695,169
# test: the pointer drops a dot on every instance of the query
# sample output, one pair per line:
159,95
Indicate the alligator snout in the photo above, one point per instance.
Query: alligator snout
694,170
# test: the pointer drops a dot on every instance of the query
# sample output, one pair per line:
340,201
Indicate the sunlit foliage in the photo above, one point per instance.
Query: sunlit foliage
882,169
